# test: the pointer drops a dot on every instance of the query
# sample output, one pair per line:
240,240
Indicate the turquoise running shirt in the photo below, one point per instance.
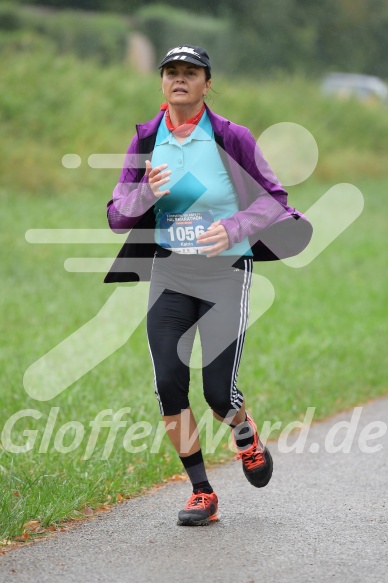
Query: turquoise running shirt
200,188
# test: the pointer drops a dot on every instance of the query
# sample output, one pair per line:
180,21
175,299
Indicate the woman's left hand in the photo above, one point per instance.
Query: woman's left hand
217,236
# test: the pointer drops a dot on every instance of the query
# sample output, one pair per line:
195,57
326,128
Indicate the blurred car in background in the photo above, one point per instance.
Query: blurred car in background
365,88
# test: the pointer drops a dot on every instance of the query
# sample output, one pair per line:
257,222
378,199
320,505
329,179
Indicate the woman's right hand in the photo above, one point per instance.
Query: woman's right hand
157,178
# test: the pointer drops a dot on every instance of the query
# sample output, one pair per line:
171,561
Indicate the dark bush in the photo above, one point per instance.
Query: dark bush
101,36
9,17
167,27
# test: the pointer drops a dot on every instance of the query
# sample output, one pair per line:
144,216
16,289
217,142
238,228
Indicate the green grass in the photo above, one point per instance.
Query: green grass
319,345
56,104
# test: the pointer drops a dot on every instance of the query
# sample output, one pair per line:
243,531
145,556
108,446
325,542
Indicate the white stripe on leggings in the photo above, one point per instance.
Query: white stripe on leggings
235,397
244,316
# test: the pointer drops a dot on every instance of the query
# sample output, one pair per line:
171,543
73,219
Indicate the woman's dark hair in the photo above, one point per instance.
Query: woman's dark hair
208,74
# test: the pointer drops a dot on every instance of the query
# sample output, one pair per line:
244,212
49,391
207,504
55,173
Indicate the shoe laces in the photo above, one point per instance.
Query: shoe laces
198,500
253,457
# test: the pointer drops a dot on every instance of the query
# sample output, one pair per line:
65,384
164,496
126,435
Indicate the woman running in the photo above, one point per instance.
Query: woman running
203,187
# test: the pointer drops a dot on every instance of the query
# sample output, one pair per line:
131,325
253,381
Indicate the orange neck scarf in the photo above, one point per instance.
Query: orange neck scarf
185,129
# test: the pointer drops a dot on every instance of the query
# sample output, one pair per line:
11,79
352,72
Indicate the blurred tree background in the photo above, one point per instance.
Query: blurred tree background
246,37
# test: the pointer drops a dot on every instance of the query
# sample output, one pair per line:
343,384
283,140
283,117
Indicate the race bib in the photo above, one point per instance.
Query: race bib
179,231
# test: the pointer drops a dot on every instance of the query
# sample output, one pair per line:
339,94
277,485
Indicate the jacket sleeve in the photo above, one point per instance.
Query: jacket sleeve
130,200
252,173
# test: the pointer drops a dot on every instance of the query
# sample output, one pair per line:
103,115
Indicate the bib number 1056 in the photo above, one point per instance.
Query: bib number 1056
180,231
186,233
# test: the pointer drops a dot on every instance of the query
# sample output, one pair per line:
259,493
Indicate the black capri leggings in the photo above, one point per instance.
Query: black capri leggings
189,292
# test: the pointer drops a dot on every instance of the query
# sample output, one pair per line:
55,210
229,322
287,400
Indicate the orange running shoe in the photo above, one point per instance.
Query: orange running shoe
256,460
199,510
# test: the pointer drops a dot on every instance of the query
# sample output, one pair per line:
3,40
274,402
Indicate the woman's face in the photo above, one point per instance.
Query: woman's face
184,83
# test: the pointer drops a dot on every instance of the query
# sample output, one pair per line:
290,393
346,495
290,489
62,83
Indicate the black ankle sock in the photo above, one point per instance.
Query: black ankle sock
202,487
244,435
196,471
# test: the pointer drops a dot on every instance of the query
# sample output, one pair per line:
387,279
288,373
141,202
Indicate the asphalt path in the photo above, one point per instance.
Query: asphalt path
322,518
